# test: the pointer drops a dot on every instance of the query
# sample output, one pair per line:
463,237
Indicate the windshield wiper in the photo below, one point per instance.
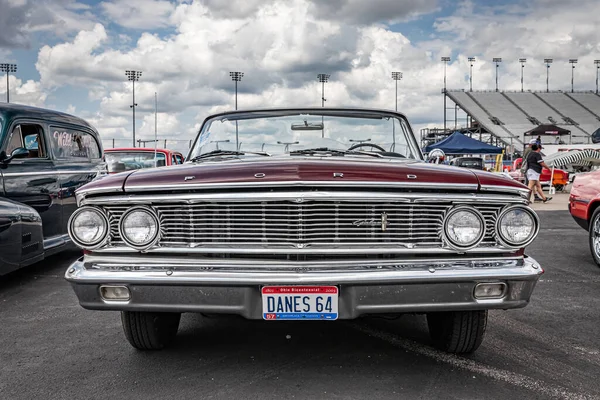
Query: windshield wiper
326,150
216,153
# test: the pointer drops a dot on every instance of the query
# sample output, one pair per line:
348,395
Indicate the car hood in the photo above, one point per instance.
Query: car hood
294,169
290,170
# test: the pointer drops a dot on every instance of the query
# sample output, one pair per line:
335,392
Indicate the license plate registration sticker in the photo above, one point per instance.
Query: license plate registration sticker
300,302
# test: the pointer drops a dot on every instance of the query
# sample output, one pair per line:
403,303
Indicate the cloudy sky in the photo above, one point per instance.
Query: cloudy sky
72,55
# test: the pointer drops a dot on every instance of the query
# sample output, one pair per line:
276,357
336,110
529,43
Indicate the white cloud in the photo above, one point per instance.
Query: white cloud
28,92
281,45
139,14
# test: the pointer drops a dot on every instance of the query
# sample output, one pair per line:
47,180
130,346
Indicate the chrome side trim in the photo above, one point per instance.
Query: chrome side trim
305,250
137,261
189,198
507,189
52,172
266,184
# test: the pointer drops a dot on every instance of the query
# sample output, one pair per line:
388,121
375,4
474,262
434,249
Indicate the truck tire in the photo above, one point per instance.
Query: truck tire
457,331
594,236
150,330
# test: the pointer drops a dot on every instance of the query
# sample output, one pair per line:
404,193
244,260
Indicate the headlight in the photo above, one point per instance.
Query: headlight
517,226
139,227
464,227
88,227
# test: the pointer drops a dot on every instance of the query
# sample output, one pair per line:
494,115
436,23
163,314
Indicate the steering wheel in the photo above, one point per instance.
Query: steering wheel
359,145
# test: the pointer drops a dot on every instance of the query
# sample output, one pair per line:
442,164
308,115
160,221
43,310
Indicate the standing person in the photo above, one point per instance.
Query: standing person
524,159
535,163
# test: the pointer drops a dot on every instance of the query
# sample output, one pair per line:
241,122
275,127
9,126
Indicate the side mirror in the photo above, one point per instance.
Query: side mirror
436,155
19,152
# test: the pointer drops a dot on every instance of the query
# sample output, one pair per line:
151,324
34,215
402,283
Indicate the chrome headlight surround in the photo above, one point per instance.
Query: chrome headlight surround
473,243
152,240
101,241
507,242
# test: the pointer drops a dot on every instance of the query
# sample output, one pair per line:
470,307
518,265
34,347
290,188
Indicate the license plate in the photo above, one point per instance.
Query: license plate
300,302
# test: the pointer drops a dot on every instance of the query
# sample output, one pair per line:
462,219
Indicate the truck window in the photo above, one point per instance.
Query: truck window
74,144
29,136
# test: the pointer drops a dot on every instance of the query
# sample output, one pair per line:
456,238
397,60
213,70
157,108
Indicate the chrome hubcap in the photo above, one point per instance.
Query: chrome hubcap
596,236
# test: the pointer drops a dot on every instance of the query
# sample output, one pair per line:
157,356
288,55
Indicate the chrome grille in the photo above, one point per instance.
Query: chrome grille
303,224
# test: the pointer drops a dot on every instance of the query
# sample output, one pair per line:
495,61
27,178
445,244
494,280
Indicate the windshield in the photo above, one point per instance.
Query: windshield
125,161
284,132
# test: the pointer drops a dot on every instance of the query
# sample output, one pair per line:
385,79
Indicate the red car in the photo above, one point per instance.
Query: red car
323,214
132,158
583,205
559,180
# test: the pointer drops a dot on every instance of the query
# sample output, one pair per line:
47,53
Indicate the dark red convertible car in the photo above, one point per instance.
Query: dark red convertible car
583,205
325,214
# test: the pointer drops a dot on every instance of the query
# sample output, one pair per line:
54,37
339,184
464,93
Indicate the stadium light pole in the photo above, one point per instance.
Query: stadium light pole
445,60
572,61
396,76
497,60
548,61
323,78
236,76
133,76
522,61
8,68
597,62
471,61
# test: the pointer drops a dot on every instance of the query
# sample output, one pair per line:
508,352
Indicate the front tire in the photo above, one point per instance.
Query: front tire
150,330
594,236
457,331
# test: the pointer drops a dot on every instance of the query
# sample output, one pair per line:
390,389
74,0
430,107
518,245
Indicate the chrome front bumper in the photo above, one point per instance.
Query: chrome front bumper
227,286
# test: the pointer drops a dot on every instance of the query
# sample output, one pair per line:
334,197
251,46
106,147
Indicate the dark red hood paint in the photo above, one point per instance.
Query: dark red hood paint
300,169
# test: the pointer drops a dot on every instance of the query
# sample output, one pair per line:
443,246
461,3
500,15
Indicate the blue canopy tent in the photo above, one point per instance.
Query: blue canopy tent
457,143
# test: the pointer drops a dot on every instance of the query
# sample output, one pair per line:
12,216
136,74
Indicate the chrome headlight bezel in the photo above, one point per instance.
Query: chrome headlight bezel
472,244
149,243
507,243
89,245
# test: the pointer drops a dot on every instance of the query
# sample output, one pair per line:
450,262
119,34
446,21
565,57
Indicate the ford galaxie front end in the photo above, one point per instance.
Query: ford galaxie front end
305,214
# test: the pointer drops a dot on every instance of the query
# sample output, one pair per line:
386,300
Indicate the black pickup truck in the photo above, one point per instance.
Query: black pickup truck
44,157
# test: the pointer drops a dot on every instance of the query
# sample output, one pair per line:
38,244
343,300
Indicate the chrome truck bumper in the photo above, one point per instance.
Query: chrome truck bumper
228,286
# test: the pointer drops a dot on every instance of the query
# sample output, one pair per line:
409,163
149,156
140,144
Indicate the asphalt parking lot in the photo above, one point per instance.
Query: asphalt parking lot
52,348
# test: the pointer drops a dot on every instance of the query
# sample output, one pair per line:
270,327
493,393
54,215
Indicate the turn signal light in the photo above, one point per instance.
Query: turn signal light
115,293
490,290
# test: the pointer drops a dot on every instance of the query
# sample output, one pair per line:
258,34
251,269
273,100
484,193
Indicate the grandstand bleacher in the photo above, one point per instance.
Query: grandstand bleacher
508,115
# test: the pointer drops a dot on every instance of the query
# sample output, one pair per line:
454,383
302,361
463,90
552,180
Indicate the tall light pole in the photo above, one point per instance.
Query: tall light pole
133,76
8,68
396,76
445,60
597,62
522,61
548,61
471,61
236,76
497,60
323,78
572,61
